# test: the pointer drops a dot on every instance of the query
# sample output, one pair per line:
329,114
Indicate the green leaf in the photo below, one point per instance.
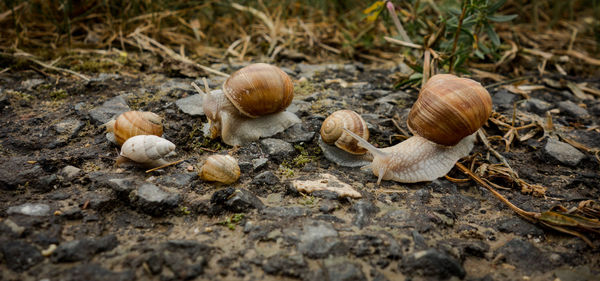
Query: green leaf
501,18
494,7
492,34
479,54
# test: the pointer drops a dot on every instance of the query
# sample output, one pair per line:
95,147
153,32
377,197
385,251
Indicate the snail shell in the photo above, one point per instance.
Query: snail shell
133,123
449,109
332,131
147,149
221,168
259,89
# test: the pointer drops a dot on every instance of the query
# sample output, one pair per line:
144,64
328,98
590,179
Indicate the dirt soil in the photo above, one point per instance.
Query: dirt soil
67,213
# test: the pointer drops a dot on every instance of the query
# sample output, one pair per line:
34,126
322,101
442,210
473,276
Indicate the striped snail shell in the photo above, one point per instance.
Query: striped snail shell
220,168
134,123
449,108
332,130
147,149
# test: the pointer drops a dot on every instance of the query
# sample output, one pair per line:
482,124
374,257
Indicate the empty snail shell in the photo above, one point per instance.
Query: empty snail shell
449,108
134,123
251,105
332,130
148,150
220,168
444,118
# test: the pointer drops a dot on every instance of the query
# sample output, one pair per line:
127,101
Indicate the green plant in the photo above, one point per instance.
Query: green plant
232,221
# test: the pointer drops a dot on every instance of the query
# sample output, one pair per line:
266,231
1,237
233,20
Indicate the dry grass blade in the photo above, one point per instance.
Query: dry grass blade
402,43
48,66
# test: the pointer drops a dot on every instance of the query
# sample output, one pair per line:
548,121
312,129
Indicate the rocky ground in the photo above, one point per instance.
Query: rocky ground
67,213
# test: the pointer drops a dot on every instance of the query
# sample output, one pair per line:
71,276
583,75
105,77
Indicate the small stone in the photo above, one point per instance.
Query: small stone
30,209
326,182
296,134
29,84
503,99
523,255
68,128
309,70
364,210
285,212
236,200
177,180
191,105
563,152
154,200
572,109
519,227
537,106
94,272
433,263
122,185
109,110
20,256
343,271
319,239
70,172
259,163
285,264
84,249
277,148
265,178
98,201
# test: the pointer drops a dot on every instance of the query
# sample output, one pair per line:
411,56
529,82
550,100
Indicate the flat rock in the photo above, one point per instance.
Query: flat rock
83,249
177,180
109,110
563,152
524,255
20,256
285,264
154,200
433,263
122,185
572,109
30,209
537,106
265,178
296,134
191,105
70,172
519,227
319,239
326,182
235,200
277,148
285,212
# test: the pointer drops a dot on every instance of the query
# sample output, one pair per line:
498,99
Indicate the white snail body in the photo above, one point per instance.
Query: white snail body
444,118
148,150
251,105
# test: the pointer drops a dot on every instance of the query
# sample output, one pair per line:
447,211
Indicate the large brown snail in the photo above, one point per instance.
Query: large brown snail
134,123
251,105
444,118
337,145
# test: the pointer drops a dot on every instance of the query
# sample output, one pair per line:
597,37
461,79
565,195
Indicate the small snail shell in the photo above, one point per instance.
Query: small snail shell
259,89
147,149
133,123
221,168
332,130
449,108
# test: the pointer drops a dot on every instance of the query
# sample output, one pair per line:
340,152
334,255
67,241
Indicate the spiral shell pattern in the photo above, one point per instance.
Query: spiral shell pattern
134,123
332,130
220,168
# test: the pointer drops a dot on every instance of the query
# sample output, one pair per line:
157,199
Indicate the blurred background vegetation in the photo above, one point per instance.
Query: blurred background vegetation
507,36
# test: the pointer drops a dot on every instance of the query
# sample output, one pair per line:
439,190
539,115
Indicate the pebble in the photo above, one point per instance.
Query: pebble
109,110
95,272
503,99
83,249
124,185
519,227
342,270
20,256
154,200
70,172
29,84
68,128
432,263
572,109
265,178
319,239
30,209
285,212
563,152
277,148
364,210
309,70
523,255
191,105
260,163
177,180
328,183
235,200
285,264
537,106
297,134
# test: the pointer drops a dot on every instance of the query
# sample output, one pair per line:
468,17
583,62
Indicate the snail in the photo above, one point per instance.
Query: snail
337,145
251,105
147,150
221,168
133,123
444,119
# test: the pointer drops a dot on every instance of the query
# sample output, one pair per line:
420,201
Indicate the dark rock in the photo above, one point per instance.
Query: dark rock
94,272
30,209
154,201
155,263
519,227
562,152
68,129
460,204
296,134
419,240
235,200
363,210
319,239
99,201
432,263
125,185
72,213
265,178
444,187
259,163
277,148
59,195
191,105
328,206
537,106
285,264
523,255
177,180
20,256
84,249
109,110
186,258
573,110
285,212
421,196
503,99
343,271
